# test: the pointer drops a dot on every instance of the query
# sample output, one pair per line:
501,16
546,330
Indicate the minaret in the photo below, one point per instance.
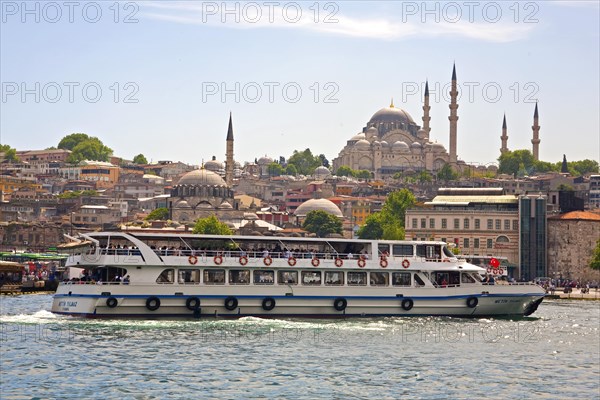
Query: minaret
426,108
229,155
453,117
504,137
536,135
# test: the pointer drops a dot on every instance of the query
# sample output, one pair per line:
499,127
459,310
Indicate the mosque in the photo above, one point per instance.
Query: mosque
392,142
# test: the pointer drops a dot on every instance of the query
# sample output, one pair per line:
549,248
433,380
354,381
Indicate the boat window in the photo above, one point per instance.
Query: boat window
264,277
384,249
167,276
403,250
214,276
357,278
454,278
189,276
419,281
287,277
421,250
239,276
311,277
334,278
476,276
467,278
380,279
401,278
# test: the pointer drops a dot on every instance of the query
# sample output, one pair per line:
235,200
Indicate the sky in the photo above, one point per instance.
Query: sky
160,78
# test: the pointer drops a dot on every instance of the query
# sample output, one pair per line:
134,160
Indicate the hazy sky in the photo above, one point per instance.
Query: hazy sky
160,78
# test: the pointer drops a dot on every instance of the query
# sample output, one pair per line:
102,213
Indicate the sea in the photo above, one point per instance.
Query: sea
553,354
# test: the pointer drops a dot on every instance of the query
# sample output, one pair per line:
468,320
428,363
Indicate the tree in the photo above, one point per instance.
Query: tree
291,170
275,169
304,161
140,159
211,226
322,223
362,174
324,161
595,262
70,141
159,214
10,154
424,176
389,222
345,170
511,162
446,173
583,167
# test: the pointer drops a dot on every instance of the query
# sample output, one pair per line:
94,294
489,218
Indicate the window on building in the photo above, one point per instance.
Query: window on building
515,224
477,223
444,223
431,223
490,224
476,243
466,223
507,224
490,243
498,224
414,223
456,223
423,223
466,243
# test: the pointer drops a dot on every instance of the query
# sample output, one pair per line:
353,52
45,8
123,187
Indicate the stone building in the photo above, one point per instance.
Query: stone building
571,241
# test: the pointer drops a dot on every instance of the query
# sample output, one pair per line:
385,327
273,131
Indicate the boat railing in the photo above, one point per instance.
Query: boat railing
256,254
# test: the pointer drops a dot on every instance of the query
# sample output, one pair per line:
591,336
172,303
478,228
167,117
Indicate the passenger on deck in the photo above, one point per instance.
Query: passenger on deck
126,280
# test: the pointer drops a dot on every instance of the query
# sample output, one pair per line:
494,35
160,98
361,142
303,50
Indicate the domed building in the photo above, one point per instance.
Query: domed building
392,142
317,204
198,194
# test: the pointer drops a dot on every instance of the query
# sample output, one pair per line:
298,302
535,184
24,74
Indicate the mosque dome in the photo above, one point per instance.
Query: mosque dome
265,160
213,165
384,144
438,147
391,114
183,204
322,172
358,136
416,145
318,204
202,177
372,130
401,146
362,144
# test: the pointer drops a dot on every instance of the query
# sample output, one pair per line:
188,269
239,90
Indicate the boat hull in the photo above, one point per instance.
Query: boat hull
130,302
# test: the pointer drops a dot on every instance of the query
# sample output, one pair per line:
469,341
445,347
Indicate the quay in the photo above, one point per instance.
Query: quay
575,294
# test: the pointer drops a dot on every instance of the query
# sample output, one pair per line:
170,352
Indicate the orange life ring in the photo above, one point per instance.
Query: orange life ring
218,260
315,262
406,263
501,271
243,260
291,261
446,260
339,262
193,260
361,262
383,262
267,260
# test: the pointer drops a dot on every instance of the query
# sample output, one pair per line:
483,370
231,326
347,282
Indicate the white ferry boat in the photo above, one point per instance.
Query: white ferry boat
158,275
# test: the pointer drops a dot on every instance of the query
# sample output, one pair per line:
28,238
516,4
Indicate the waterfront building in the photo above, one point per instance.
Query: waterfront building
533,236
594,190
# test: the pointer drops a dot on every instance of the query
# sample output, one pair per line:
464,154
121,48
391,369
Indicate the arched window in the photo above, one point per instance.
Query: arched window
502,239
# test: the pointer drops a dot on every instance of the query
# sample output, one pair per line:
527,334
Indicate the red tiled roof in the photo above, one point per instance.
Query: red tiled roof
578,215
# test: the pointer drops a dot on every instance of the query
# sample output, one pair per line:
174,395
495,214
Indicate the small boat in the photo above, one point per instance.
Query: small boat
184,275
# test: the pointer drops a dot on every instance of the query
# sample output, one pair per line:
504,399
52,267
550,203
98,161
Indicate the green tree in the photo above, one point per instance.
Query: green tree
396,204
512,162
291,170
70,141
583,167
372,228
140,159
322,223
595,262
10,154
90,149
323,160
159,214
304,161
446,173
345,170
362,174
275,169
424,176
211,226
